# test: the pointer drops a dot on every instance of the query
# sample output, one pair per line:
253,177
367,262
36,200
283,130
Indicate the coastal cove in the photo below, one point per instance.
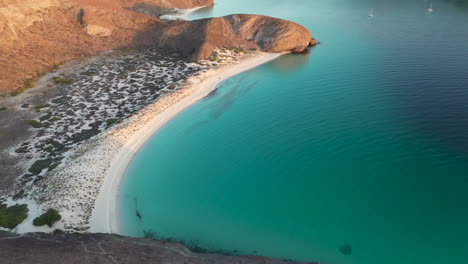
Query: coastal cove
64,127
233,131
105,217
354,153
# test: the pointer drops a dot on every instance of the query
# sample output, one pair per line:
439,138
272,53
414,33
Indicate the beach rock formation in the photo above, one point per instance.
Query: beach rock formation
39,248
313,42
198,39
36,34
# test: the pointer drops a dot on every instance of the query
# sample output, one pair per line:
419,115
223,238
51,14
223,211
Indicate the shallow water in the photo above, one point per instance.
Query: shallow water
360,146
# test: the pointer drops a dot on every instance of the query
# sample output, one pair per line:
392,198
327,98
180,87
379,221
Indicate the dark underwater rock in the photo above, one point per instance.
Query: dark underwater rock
346,250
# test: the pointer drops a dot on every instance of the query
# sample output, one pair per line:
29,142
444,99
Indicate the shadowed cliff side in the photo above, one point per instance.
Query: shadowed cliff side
39,248
198,39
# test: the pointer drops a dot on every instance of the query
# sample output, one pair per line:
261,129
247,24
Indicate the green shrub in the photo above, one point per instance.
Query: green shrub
59,80
48,218
3,108
49,149
28,84
16,92
215,56
45,117
240,50
22,150
58,232
35,123
127,49
12,216
25,105
56,66
111,122
81,229
39,165
54,166
39,107
57,145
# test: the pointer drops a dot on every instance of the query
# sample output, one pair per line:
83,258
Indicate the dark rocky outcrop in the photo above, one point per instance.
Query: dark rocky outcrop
39,248
313,42
198,39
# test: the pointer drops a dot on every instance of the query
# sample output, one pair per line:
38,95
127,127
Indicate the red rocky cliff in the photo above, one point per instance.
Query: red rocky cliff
36,34
199,38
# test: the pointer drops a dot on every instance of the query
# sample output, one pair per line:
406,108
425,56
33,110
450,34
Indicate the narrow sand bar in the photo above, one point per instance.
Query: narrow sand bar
105,216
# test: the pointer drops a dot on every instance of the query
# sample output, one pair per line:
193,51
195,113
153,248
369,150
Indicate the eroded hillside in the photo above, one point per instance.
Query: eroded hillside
37,34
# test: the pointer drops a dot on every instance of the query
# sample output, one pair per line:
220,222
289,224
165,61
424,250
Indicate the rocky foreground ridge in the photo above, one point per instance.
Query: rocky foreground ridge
39,248
40,34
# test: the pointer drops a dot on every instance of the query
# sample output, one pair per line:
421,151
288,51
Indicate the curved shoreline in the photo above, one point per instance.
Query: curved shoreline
104,216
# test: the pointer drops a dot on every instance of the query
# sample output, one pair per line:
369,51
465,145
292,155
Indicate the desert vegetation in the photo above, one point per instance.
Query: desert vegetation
12,216
48,218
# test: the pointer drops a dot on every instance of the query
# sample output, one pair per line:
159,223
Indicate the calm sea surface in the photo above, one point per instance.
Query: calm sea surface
355,153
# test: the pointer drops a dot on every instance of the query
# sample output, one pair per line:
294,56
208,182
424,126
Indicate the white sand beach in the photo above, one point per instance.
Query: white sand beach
116,148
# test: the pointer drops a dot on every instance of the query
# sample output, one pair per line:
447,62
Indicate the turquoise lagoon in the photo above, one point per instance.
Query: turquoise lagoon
354,153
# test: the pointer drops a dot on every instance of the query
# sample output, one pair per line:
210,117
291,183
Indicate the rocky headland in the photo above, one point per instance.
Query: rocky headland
198,39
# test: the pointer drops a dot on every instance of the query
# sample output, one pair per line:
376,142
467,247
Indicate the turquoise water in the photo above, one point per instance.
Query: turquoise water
361,144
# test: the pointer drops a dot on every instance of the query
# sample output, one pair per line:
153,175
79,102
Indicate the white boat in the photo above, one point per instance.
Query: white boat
430,8
371,12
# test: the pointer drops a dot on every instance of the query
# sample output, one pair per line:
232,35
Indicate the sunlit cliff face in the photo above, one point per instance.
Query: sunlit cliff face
36,34
16,15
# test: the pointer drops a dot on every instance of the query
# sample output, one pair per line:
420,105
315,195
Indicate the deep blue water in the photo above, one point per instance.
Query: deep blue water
361,143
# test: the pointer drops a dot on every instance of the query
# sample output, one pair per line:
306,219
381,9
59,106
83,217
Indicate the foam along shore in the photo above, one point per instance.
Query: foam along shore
134,132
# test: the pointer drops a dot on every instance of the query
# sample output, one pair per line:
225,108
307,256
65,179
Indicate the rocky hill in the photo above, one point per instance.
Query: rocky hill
38,248
37,34
40,34
198,39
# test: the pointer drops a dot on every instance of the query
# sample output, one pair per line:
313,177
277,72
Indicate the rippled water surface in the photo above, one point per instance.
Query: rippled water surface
355,153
